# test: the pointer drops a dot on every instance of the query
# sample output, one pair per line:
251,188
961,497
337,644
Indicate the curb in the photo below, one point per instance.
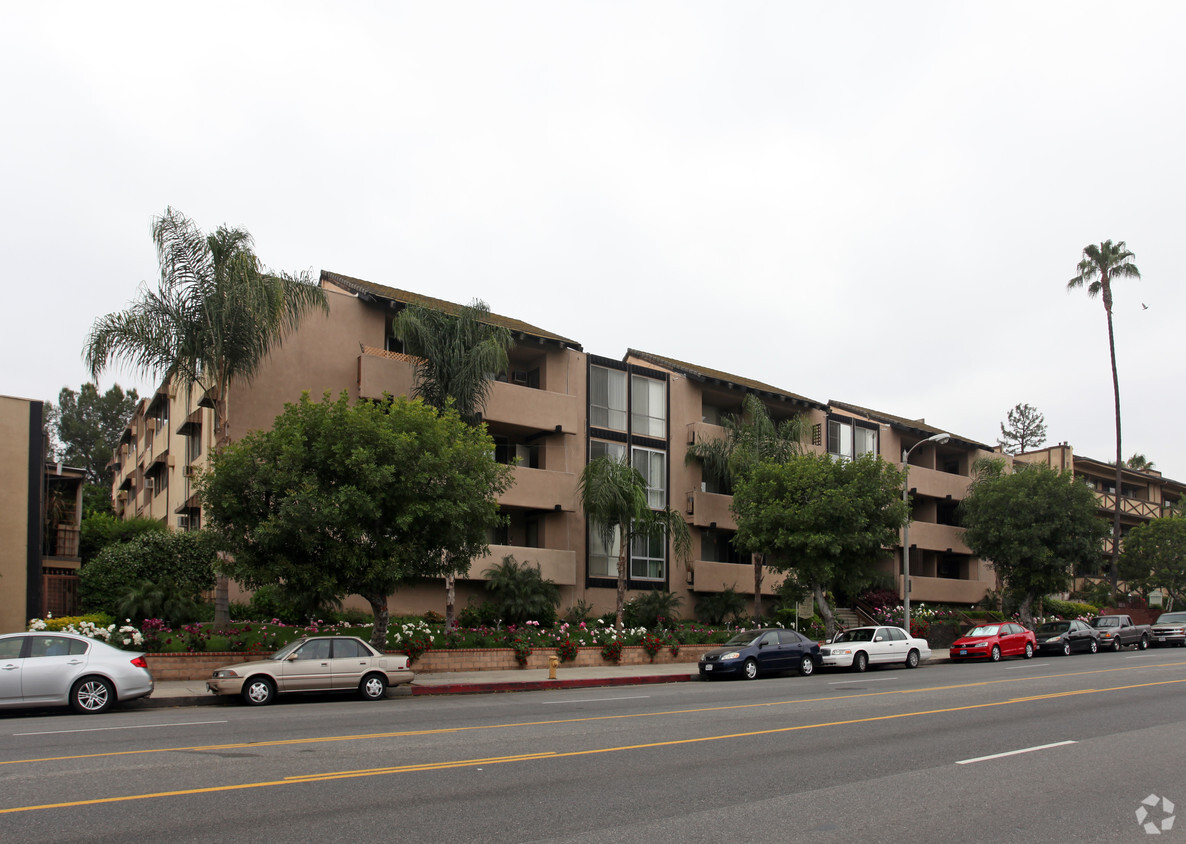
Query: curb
546,685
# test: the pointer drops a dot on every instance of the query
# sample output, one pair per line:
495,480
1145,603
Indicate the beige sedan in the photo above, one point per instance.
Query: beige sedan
320,664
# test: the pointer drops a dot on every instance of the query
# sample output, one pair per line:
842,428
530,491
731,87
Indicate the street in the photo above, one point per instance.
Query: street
1051,749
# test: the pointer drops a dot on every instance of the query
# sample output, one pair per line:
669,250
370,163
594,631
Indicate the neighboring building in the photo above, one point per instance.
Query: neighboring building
1145,494
40,518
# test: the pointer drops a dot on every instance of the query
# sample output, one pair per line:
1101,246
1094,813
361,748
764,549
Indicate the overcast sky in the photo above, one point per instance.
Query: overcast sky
878,203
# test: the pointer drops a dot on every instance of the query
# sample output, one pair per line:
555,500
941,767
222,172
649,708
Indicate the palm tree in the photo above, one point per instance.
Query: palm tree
213,319
750,437
1100,265
457,358
1140,463
614,497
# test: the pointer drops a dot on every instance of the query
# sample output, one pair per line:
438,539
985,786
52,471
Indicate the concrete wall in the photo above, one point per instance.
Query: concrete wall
20,511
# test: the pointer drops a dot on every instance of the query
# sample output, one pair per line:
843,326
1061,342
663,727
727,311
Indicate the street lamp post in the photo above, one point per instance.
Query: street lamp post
938,439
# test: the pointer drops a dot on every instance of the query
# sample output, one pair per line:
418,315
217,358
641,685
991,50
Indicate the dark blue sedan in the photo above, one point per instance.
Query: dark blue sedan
754,652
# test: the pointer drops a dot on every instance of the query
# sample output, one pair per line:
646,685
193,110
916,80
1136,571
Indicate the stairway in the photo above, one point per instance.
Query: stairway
846,618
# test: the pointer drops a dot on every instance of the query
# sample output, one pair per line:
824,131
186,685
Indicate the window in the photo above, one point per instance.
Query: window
601,448
315,649
716,546
603,558
648,409
647,556
348,648
848,440
652,465
607,398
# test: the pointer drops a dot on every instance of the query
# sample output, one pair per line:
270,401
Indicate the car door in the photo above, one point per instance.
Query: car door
769,656
10,669
883,648
308,668
1081,636
1012,639
792,646
350,661
52,664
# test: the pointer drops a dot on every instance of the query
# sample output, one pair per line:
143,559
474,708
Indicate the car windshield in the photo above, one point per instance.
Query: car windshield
287,649
861,634
1171,618
745,637
1055,627
1106,621
984,630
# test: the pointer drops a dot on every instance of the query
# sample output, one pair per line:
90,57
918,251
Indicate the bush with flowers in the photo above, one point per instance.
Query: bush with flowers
567,650
611,651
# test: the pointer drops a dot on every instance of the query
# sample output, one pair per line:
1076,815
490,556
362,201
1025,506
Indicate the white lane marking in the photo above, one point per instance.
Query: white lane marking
860,680
1014,752
132,727
593,699
1027,665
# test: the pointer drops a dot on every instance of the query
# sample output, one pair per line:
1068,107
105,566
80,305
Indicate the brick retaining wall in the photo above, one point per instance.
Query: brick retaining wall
200,666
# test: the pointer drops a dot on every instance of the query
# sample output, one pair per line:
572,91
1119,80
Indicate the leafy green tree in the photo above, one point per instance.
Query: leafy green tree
1033,526
614,498
340,498
1026,430
520,593
213,319
179,562
457,356
84,429
1099,266
102,529
829,521
751,437
1155,557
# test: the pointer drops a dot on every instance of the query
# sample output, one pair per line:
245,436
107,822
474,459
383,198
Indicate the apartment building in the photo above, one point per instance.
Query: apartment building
40,518
554,409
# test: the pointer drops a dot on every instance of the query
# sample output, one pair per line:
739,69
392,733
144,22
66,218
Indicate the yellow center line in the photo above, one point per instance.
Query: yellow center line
498,760
209,748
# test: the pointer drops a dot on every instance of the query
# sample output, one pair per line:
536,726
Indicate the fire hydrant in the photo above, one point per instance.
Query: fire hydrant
553,664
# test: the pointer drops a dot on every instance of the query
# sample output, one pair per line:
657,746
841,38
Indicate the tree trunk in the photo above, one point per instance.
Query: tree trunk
378,604
450,602
621,600
1027,617
222,607
1119,463
825,611
758,561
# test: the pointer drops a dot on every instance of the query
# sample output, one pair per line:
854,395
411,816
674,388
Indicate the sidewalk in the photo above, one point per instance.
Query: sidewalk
193,692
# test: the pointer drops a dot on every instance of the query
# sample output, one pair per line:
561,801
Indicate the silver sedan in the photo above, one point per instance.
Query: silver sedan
43,668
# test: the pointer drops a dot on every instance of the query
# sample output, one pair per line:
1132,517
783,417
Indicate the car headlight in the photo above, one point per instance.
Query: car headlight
224,673
841,651
731,655
1053,640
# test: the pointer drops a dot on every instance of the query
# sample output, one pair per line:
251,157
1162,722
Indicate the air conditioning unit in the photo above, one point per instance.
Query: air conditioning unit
519,376
149,484
151,424
190,471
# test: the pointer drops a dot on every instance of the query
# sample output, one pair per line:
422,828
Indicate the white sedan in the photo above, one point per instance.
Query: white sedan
860,647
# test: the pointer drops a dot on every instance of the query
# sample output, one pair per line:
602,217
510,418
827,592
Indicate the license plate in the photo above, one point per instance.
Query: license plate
1161,638
963,653
708,668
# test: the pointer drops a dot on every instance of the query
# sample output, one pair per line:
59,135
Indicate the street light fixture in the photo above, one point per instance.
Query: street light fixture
937,439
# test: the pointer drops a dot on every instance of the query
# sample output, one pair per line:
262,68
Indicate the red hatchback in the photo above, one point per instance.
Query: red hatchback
993,641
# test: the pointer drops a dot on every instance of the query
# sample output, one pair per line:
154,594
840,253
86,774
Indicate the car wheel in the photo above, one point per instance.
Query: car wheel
373,687
1029,650
912,659
860,662
1066,648
259,691
1144,645
807,665
750,670
995,656
1094,646
92,695
1116,644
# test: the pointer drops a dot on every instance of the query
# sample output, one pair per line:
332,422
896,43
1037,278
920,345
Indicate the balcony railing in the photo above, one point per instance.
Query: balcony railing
1130,506
556,565
709,508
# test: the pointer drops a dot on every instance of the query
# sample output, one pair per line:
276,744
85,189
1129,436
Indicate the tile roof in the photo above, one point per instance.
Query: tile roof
703,373
379,291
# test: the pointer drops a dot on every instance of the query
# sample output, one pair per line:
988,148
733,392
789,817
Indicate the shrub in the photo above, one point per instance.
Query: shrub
484,614
878,598
717,607
98,619
651,609
433,617
567,650
99,530
180,562
147,600
579,613
1068,609
652,644
611,651
520,593
521,648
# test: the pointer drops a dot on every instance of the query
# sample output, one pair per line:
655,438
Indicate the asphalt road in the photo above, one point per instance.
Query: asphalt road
1052,749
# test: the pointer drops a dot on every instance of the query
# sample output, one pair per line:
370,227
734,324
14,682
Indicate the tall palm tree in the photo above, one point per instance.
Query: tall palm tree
614,497
750,437
1100,265
457,357
1140,463
213,319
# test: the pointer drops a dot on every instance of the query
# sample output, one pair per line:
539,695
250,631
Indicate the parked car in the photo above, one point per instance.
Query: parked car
753,652
1169,629
1066,636
860,647
993,641
1118,631
317,664
56,669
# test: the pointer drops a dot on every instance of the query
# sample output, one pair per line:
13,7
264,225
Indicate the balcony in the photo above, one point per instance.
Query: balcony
541,489
705,508
555,565
1135,507
382,372
699,432
717,577
932,537
947,590
528,407
935,484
